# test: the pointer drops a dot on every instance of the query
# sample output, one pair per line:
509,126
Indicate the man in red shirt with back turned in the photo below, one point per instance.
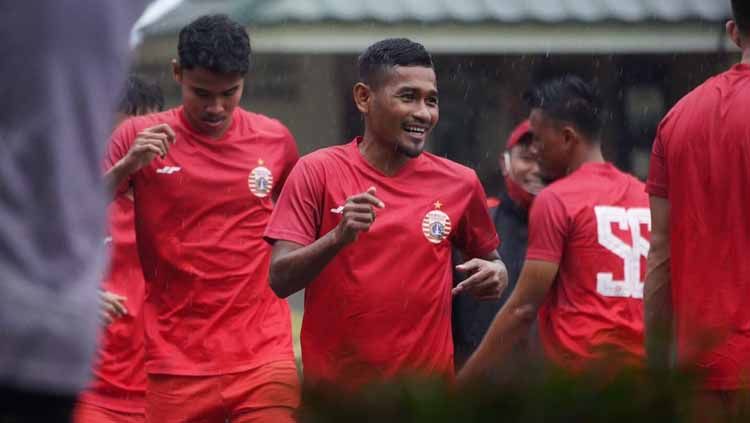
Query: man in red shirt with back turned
699,275
588,240
368,228
204,175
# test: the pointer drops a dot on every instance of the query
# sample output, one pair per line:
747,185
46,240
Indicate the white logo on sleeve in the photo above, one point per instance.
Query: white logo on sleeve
168,170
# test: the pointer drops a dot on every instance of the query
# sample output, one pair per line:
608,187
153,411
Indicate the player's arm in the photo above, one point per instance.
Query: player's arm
657,295
488,277
294,266
148,144
512,322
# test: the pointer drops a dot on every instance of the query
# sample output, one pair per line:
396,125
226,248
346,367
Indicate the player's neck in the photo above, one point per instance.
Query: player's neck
387,160
589,155
746,56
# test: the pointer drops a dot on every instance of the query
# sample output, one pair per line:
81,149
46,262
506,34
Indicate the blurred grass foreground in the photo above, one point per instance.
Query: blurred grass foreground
633,396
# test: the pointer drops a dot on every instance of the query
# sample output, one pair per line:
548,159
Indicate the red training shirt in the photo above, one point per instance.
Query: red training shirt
701,163
119,381
382,306
200,214
595,224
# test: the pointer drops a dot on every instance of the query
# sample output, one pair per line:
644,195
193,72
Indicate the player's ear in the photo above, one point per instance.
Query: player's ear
362,96
570,136
734,33
176,71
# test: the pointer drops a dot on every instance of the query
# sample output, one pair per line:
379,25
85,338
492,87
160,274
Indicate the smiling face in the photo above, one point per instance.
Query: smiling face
402,109
209,98
522,166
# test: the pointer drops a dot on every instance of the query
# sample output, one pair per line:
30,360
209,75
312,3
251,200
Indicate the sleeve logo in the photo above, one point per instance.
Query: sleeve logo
436,225
260,180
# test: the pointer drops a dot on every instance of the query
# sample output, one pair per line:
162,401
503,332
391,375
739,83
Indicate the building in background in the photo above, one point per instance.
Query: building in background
645,55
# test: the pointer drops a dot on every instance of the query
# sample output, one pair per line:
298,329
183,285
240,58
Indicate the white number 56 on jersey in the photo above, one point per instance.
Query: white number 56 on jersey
627,220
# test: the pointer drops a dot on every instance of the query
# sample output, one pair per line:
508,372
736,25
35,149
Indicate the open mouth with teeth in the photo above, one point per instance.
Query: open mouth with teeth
413,130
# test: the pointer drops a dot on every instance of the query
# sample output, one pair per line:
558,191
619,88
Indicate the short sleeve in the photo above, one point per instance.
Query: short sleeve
291,155
548,228
476,235
658,176
297,214
119,145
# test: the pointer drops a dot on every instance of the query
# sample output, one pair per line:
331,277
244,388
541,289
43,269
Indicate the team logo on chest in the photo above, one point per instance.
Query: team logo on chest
260,180
436,225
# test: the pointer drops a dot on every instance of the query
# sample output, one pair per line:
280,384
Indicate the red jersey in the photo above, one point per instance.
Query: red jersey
200,214
595,224
119,381
382,306
701,163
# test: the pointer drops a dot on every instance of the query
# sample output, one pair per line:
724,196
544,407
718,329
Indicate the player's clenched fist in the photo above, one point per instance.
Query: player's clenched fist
149,143
357,216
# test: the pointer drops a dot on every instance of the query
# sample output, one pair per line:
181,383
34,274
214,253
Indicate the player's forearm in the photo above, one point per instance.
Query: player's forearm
512,323
294,270
657,298
116,176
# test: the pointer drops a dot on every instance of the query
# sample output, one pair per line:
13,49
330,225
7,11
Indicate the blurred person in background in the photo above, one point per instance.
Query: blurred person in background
62,63
117,393
698,286
510,213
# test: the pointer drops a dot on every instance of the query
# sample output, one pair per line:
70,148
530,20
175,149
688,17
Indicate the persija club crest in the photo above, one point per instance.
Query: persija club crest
260,180
436,225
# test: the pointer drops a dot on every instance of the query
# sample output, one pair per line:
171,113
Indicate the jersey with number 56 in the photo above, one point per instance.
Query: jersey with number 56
595,224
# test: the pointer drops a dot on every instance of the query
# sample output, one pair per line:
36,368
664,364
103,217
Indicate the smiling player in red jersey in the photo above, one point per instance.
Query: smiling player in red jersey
368,227
588,239
204,175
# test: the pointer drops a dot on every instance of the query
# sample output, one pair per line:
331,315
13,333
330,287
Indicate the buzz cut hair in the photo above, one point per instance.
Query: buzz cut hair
380,58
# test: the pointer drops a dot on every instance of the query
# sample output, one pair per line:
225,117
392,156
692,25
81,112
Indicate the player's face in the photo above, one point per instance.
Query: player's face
404,109
523,167
208,98
554,151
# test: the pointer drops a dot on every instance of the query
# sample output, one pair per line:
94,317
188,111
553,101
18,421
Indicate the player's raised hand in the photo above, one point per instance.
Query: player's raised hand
149,143
358,215
487,279
112,306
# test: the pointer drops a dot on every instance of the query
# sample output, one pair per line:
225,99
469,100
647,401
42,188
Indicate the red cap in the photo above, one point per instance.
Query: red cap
523,129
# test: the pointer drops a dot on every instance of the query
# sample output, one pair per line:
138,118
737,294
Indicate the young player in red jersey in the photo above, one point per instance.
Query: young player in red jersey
117,392
588,239
204,175
698,291
367,228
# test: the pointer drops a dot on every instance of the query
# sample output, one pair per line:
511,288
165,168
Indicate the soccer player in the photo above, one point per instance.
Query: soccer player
204,175
520,168
368,227
117,391
698,290
588,237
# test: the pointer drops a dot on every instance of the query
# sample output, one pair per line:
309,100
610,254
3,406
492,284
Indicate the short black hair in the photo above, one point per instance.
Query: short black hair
570,99
741,14
139,95
386,54
215,43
